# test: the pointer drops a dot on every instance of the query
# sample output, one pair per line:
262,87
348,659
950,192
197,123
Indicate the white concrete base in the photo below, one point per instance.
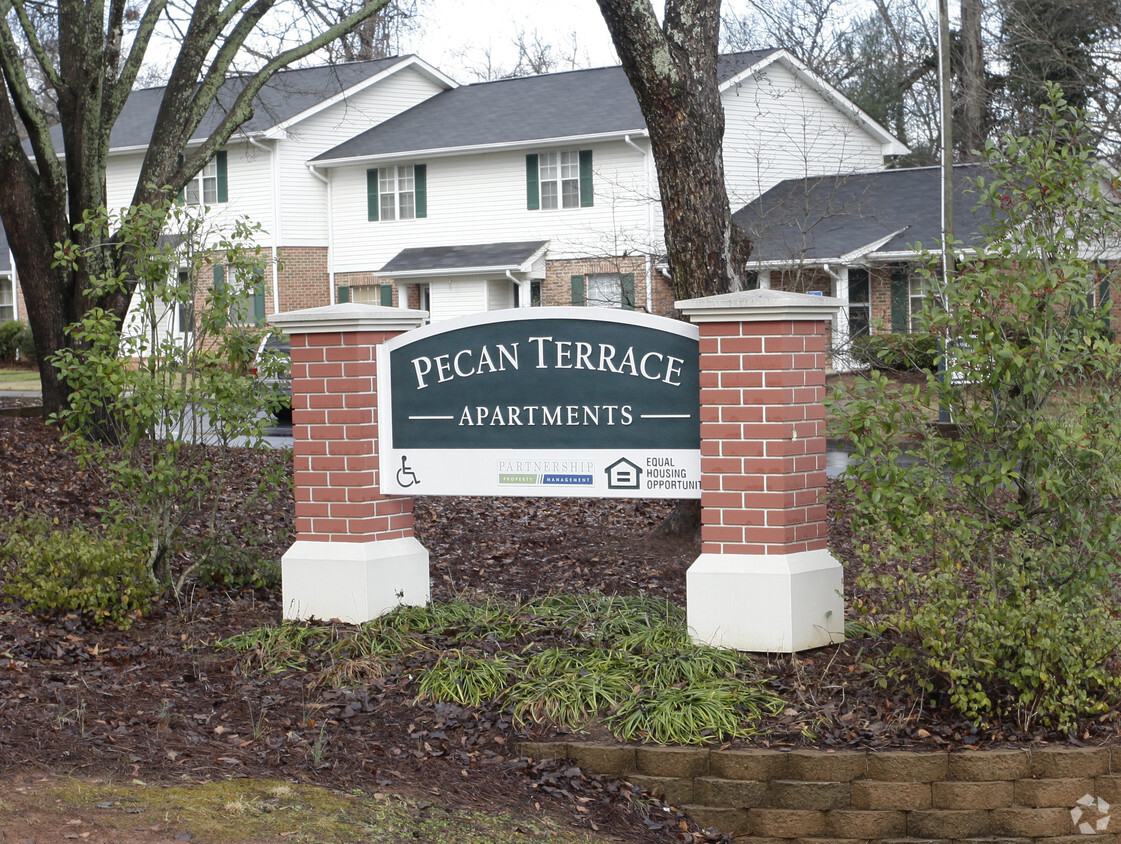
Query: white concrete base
769,604
353,581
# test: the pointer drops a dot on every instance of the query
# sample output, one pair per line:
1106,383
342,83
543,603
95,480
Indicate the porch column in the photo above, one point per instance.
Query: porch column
355,555
765,580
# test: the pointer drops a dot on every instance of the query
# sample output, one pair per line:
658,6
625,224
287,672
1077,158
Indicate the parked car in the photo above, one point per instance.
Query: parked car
272,367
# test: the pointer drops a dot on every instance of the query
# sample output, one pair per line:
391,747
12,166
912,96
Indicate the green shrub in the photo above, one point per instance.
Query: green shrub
77,570
896,351
16,341
1033,655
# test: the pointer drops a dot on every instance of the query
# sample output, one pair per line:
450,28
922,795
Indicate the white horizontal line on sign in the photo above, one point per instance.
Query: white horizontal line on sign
432,417
665,416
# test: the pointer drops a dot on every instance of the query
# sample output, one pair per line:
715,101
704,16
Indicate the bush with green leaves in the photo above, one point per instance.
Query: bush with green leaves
16,342
1021,506
896,351
165,413
76,570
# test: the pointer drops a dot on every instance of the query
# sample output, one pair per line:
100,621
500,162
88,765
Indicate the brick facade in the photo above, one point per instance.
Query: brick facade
303,278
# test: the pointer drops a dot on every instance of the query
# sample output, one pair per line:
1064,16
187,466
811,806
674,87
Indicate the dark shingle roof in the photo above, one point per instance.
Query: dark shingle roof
287,94
826,217
555,105
437,258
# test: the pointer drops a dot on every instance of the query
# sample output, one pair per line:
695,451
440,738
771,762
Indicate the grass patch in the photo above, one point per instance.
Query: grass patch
19,378
247,810
568,660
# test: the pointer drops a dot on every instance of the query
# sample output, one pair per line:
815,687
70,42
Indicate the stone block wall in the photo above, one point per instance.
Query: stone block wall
1047,795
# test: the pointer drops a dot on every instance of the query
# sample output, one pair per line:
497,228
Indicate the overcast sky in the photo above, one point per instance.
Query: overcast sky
471,27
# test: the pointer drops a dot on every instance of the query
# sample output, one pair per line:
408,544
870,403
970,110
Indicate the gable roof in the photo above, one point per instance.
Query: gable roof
290,95
842,218
526,110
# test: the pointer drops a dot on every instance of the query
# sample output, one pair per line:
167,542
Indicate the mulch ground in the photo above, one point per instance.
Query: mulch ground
160,702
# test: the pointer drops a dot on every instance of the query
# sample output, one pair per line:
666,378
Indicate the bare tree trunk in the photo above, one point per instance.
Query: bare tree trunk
972,126
673,70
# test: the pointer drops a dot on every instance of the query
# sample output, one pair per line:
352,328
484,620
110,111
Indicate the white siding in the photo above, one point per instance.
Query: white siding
474,199
254,170
303,196
457,297
500,294
776,127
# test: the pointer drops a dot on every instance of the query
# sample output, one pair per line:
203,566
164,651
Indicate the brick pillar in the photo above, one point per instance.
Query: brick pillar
355,555
765,580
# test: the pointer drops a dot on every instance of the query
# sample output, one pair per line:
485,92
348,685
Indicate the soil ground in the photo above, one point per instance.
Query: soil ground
160,704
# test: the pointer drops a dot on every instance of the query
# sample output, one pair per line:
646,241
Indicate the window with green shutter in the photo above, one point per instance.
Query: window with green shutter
210,185
559,180
397,192
610,290
372,194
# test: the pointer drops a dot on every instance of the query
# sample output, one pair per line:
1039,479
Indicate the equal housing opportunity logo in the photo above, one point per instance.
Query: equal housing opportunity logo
1091,815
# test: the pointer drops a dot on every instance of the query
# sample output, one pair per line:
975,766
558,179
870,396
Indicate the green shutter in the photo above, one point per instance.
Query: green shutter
628,291
420,187
900,290
386,292
587,195
219,278
532,185
259,297
223,176
578,297
372,194
342,294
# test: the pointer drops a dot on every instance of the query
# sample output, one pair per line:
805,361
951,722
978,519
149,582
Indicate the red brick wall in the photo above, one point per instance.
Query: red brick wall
303,278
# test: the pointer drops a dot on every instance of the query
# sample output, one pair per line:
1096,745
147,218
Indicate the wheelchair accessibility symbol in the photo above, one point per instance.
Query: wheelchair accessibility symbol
406,477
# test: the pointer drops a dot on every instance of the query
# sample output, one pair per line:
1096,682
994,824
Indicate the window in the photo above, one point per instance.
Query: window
185,311
7,300
373,294
210,185
859,317
397,193
248,306
917,298
604,290
559,180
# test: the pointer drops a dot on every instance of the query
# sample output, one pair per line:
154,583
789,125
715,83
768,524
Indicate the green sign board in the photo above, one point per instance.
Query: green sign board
545,401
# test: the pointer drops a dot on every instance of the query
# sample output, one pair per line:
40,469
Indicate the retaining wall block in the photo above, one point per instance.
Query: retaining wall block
1057,763
900,796
972,795
672,790
902,766
948,823
799,794
1052,793
748,764
1108,788
671,761
544,749
727,820
988,765
740,794
857,823
610,760
1033,823
815,766
786,823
